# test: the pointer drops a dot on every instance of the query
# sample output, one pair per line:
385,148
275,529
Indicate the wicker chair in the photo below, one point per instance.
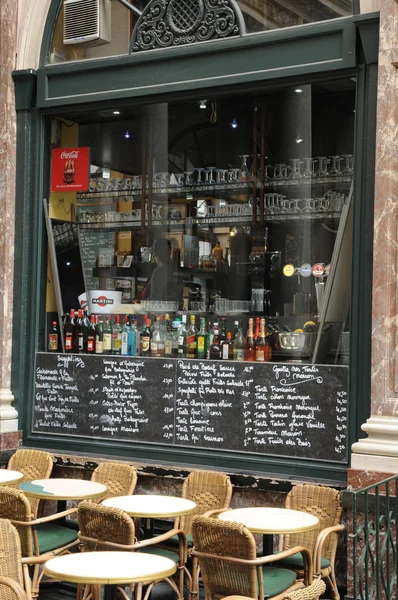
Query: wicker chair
119,478
323,502
13,590
34,464
106,528
210,491
41,539
226,553
11,573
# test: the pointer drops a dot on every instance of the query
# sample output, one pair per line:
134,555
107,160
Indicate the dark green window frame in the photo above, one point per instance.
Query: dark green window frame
344,48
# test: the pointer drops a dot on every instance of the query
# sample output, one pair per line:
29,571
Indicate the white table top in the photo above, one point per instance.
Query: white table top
104,568
150,506
271,520
8,476
63,489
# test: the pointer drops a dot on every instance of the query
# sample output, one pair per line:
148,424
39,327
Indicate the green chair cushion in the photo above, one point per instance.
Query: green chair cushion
296,562
276,581
174,541
54,536
161,552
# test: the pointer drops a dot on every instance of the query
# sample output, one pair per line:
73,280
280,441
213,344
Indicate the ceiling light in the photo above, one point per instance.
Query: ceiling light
234,124
203,104
299,140
298,91
116,112
127,134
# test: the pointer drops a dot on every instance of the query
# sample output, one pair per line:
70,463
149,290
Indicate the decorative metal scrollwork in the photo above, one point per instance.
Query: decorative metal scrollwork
170,23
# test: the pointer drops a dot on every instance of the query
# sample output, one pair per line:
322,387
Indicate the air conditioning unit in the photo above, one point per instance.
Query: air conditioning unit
87,22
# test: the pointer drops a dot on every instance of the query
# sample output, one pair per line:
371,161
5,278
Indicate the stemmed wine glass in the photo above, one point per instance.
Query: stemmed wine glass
322,170
308,206
296,168
199,175
309,167
335,170
349,164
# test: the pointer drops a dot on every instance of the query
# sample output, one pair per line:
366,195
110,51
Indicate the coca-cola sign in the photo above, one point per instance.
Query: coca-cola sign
73,154
70,169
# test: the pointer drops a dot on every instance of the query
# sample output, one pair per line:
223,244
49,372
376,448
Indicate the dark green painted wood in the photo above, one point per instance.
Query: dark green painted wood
25,89
316,48
48,34
368,30
361,304
256,61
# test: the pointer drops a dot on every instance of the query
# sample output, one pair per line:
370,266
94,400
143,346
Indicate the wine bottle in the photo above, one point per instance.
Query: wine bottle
249,352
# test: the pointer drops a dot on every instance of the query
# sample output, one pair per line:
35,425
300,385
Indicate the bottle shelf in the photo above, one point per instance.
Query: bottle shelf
213,220
129,195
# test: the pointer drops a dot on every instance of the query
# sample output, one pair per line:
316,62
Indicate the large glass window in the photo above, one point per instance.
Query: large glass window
229,214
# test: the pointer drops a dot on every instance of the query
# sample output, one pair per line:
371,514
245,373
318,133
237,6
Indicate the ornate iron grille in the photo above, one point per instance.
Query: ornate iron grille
374,542
185,15
168,23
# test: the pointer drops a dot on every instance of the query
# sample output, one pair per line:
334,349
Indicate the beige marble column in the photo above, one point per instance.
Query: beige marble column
379,451
8,35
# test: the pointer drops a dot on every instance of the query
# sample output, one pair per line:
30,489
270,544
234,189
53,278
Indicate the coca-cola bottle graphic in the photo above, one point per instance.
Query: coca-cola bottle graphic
66,172
72,172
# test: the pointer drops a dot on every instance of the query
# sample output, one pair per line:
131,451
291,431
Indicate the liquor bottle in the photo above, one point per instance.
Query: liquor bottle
192,338
131,348
223,333
71,333
174,348
81,347
86,324
262,346
158,339
182,338
215,348
117,336
249,352
202,340
168,343
137,339
257,329
107,338
227,348
211,335
91,336
53,338
145,339
125,336
99,336
239,345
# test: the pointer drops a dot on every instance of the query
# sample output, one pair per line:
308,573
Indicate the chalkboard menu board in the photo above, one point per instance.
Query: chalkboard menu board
292,410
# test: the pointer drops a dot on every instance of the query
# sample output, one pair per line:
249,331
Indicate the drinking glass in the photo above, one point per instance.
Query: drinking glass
199,175
222,175
308,205
309,167
180,177
322,170
188,175
278,171
335,170
244,170
210,173
296,168
233,175
349,164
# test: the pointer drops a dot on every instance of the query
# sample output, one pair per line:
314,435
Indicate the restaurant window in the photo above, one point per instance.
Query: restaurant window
76,36
214,227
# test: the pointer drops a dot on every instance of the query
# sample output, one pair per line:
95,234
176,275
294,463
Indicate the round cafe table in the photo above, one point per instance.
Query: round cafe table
62,490
8,476
271,521
151,506
110,569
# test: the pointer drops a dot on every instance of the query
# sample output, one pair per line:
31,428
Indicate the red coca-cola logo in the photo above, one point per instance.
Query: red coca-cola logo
73,154
102,301
318,270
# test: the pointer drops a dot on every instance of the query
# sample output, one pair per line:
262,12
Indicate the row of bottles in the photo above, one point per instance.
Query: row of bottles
163,338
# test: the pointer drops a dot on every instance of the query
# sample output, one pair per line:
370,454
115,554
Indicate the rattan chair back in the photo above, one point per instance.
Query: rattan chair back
225,539
104,524
119,478
10,590
324,503
34,464
15,506
10,557
210,490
